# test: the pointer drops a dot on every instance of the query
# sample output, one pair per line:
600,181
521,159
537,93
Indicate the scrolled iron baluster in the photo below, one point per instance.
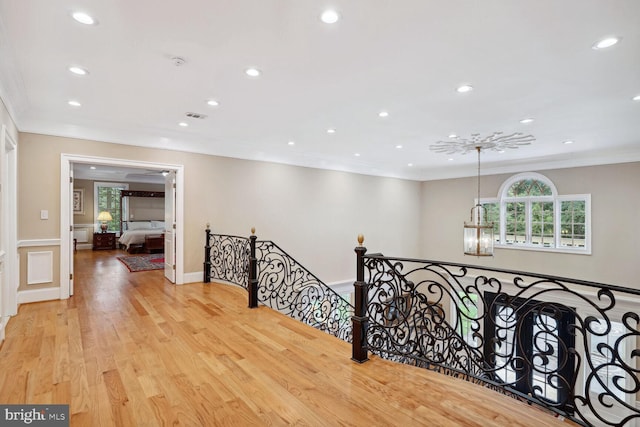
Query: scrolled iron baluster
557,354
286,286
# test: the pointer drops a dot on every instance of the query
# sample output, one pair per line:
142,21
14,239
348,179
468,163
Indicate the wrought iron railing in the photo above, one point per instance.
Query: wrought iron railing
274,278
288,287
568,345
226,258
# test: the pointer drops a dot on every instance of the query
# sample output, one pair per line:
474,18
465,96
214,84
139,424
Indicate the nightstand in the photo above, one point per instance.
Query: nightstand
154,243
104,241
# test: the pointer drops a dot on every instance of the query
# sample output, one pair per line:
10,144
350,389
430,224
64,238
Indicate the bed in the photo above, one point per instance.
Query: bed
137,231
148,208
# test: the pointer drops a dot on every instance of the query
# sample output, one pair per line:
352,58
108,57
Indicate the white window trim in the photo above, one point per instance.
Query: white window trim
502,199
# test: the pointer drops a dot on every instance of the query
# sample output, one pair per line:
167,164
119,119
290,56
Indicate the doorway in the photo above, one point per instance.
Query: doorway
66,212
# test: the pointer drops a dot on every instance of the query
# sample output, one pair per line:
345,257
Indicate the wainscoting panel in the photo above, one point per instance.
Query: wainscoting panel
81,236
39,267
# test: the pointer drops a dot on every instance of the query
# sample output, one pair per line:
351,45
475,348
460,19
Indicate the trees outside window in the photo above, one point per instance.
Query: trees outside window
107,198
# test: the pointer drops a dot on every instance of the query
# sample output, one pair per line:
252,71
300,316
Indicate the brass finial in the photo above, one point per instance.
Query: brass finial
208,226
253,230
360,239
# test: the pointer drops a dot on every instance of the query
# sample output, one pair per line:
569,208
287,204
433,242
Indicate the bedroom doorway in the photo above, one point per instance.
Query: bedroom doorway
67,207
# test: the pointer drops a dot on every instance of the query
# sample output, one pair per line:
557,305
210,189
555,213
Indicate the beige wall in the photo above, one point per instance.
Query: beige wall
89,217
615,203
315,215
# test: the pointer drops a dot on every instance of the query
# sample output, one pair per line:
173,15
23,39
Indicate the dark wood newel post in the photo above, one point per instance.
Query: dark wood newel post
359,319
253,271
207,256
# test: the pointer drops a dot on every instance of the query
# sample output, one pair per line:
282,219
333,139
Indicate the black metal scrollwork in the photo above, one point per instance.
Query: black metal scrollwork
286,286
568,345
230,258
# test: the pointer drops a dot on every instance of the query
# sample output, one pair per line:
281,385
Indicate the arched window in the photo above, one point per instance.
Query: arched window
530,214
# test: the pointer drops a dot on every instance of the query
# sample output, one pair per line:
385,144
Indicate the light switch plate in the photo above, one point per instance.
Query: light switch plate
44,214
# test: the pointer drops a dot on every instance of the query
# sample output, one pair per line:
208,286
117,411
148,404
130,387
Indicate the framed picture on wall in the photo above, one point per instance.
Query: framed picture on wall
78,201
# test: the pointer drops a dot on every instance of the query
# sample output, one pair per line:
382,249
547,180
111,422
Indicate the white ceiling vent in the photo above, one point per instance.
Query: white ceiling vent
196,116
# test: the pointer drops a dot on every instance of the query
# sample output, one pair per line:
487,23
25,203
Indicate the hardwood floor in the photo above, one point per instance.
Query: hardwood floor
130,349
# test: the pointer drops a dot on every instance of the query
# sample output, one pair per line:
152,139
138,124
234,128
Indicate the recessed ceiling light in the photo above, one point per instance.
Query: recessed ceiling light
636,98
183,124
383,114
74,103
291,143
450,159
329,16
606,42
92,168
331,130
79,71
409,164
567,142
453,136
357,154
252,72
464,88
213,103
84,18
398,146
501,151
527,120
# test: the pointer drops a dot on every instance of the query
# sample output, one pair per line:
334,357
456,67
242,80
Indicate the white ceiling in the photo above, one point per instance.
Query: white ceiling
524,59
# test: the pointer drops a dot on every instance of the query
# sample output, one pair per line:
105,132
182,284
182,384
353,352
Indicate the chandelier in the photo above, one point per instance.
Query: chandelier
478,233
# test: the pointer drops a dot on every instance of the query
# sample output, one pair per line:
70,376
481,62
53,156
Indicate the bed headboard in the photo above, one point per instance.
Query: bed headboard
136,193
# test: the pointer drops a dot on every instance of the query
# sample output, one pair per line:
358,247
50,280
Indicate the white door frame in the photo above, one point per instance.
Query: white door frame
66,161
9,228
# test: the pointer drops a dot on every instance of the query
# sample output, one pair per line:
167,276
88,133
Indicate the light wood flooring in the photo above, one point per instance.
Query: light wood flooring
130,349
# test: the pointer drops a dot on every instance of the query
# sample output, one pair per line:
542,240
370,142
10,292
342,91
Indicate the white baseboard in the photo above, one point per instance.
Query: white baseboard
37,295
81,246
194,277
3,324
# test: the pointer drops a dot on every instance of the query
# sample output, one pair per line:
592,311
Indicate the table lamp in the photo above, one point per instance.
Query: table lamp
104,216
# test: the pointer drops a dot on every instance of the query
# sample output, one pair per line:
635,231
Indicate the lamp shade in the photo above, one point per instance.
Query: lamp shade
105,216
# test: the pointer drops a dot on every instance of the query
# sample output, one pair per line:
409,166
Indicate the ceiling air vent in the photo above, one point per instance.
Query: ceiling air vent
196,116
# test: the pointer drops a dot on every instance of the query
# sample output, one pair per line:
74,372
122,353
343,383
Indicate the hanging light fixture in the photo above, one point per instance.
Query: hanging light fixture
478,234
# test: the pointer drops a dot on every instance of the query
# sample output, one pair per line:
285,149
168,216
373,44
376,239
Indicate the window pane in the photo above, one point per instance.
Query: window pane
529,187
545,359
505,324
606,367
542,224
468,315
109,200
572,223
515,223
493,215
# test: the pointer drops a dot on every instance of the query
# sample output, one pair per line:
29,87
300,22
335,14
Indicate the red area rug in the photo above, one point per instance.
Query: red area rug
143,262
